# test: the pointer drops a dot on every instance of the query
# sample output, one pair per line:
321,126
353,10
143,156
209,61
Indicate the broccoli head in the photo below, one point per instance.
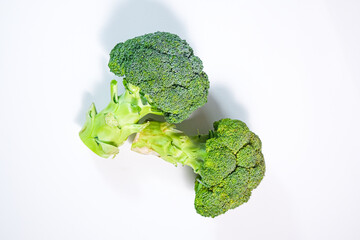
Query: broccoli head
162,77
166,70
228,161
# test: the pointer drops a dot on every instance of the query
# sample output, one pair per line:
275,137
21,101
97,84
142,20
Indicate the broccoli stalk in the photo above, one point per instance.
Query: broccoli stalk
228,161
105,131
164,140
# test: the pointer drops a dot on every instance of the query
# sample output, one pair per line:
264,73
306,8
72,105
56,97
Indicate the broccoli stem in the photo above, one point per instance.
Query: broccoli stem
105,131
164,140
130,106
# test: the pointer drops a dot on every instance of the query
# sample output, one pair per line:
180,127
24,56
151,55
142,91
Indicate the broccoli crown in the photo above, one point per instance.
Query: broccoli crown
165,69
232,168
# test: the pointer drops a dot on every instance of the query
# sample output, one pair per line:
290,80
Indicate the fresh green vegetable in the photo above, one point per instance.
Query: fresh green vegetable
162,77
165,69
228,161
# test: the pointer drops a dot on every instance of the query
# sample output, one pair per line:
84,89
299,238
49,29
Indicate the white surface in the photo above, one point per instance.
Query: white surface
289,69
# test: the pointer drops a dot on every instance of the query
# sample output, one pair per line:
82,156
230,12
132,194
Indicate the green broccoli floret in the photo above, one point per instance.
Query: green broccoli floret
166,70
228,161
162,77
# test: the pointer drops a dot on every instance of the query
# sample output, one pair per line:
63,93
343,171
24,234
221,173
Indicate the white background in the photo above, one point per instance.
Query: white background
289,69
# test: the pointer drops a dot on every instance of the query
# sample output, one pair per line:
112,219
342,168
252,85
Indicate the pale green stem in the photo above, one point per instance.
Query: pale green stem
172,145
105,131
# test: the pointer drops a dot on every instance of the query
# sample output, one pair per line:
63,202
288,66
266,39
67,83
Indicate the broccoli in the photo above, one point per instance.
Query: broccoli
165,69
161,76
228,161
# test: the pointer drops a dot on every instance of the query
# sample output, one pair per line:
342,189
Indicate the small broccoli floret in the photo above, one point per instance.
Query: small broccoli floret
165,69
163,77
228,160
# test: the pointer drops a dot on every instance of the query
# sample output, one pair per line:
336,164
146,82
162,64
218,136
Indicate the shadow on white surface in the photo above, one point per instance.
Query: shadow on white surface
221,104
137,17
